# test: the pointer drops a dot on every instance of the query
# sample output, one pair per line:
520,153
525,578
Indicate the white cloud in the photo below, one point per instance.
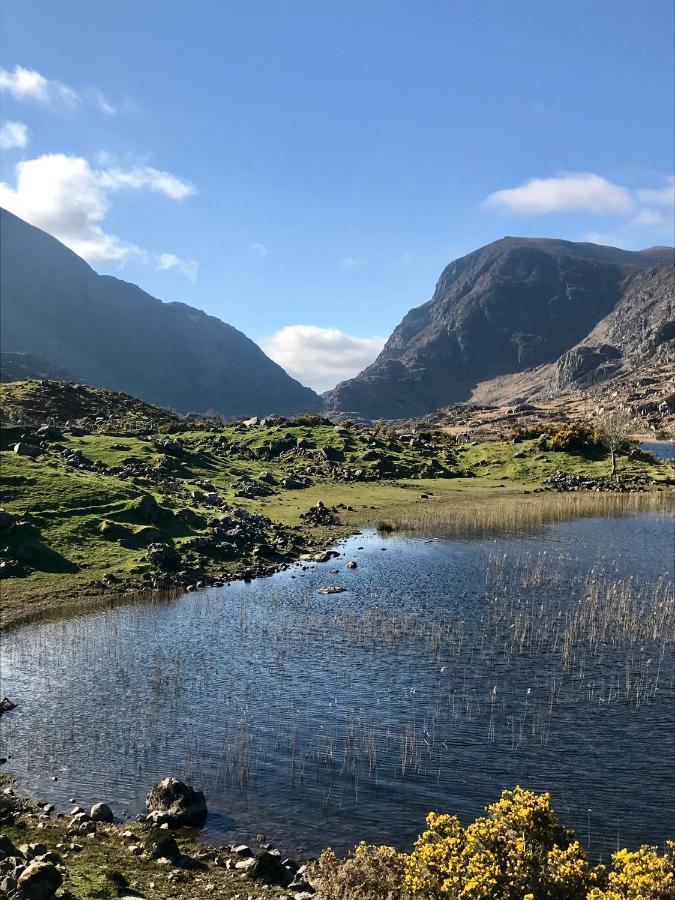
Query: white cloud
68,198
320,357
565,191
28,84
349,263
259,249
146,177
13,134
188,267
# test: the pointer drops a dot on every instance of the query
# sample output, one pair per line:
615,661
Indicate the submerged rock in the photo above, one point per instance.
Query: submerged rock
180,804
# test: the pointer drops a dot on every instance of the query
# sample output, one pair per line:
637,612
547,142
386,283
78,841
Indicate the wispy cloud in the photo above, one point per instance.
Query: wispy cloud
320,357
13,134
349,262
259,249
28,84
67,197
188,267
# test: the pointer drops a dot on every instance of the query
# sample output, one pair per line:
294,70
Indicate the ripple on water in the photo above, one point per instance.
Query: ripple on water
445,672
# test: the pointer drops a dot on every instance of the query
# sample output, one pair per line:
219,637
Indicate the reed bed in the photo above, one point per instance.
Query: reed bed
516,514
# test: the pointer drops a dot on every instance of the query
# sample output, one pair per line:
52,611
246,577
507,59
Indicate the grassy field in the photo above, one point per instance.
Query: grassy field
80,516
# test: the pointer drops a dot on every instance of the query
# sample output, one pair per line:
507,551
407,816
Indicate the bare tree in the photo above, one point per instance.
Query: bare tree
614,426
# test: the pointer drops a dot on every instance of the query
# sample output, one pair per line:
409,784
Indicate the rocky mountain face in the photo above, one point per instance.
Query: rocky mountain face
109,333
514,305
640,329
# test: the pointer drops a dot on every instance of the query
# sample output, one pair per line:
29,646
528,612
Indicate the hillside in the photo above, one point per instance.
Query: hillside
512,306
109,333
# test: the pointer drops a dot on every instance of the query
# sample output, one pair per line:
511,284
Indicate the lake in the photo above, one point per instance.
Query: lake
660,449
444,673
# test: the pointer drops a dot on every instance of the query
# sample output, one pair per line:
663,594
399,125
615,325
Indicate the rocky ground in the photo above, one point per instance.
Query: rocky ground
92,854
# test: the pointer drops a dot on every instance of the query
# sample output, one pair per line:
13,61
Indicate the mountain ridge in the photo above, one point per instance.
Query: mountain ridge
111,333
510,306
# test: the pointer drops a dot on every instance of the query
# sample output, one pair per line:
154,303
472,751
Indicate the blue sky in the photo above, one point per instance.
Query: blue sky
318,163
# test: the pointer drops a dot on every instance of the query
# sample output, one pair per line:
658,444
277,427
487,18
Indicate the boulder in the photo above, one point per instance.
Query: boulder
161,844
269,868
101,812
24,449
50,432
39,881
180,803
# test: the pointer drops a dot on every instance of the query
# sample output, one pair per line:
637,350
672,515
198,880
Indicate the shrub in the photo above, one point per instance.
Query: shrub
639,875
575,437
519,851
369,872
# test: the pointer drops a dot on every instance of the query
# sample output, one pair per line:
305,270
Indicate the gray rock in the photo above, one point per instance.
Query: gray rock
182,804
24,449
101,812
39,881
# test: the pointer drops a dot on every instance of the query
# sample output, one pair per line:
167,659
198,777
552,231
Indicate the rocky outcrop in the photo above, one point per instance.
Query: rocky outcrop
174,803
511,306
639,329
109,333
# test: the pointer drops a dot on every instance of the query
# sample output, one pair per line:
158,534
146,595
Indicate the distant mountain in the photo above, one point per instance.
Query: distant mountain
513,305
109,333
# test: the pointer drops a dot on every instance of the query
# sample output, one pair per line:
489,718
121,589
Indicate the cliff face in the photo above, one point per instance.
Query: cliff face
513,305
109,333
639,330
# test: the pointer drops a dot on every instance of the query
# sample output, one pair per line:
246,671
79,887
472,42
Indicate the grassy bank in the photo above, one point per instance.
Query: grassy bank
88,500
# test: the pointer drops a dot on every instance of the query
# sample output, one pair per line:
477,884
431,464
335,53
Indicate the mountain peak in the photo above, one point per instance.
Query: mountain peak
514,304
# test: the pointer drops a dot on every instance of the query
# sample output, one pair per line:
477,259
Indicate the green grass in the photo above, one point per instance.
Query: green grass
65,507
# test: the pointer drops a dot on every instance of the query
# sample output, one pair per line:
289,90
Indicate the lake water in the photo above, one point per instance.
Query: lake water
660,449
446,672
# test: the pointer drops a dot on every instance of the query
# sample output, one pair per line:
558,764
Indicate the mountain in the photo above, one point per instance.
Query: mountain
511,306
110,333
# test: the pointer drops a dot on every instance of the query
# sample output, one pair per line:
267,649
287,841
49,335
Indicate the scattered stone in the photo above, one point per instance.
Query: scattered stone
330,589
352,564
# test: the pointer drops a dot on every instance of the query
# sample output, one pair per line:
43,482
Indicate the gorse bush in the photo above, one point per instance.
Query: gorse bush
517,851
576,437
639,875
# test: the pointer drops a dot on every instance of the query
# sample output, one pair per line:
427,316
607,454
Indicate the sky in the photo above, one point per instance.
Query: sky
304,169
